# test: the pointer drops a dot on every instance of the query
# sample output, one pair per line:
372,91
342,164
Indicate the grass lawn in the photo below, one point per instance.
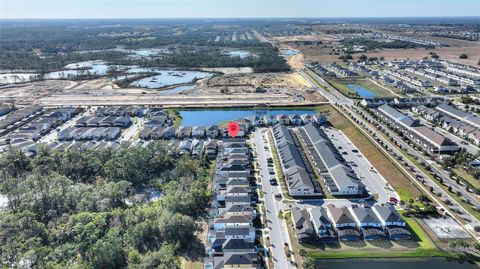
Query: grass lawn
467,177
341,85
191,264
177,120
395,177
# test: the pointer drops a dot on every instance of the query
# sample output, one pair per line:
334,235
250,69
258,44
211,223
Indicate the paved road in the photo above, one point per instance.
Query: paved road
133,129
53,134
429,183
277,228
332,95
435,168
374,181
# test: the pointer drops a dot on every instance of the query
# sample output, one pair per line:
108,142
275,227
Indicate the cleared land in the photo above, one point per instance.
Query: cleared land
238,88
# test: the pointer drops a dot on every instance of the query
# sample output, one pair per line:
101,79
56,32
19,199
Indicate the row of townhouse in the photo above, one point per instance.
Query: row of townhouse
462,69
108,121
19,117
411,80
231,231
362,69
394,82
322,71
337,175
120,111
341,71
374,102
333,223
431,141
434,75
466,117
192,147
84,145
40,126
457,79
299,181
158,129
88,133
285,119
452,124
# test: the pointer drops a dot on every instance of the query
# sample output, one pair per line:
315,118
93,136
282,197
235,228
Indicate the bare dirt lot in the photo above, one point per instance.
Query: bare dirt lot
235,89
322,52
446,53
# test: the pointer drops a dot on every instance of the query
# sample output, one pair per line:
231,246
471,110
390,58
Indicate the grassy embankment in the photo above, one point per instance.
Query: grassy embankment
341,85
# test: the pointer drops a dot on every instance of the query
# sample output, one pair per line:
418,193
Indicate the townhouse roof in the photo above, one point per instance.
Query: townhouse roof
388,214
340,215
365,215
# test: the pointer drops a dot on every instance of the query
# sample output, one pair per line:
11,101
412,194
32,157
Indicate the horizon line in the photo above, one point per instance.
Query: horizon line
210,18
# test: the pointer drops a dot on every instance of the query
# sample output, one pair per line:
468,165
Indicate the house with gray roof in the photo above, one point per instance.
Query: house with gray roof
322,224
423,136
298,180
338,178
302,225
369,222
466,117
389,216
366,217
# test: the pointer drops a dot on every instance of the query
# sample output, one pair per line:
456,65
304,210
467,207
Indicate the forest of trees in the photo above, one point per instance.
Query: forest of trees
49,46
91,209
373,44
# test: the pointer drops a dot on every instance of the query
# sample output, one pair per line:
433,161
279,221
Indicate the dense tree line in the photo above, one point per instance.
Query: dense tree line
49,46
90,209
374,45
266,59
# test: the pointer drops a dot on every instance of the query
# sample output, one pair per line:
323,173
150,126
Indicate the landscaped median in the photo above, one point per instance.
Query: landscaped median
278,166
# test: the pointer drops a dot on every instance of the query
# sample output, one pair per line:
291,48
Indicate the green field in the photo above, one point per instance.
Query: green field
341,85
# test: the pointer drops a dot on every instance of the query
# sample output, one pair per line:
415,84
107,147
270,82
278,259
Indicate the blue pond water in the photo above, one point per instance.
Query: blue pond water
209,117
362,91
389,263
239,53
166,77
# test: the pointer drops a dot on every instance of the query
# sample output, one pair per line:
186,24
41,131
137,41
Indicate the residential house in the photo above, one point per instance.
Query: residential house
303,227
322,224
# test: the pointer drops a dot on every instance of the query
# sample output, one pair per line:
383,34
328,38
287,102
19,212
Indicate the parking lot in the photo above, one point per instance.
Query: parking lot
374,181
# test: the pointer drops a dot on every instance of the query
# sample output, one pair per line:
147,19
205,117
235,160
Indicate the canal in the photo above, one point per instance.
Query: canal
393,263
214,116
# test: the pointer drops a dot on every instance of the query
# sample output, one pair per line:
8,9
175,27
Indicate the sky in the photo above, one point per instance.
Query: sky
235,8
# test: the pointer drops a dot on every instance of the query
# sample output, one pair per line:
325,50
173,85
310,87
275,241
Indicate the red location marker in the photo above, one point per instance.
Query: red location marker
233,129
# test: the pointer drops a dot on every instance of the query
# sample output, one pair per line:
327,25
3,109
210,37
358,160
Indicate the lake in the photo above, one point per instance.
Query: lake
392,263
362,91
287,53
166,77
78,69
209,117
11,78
239,53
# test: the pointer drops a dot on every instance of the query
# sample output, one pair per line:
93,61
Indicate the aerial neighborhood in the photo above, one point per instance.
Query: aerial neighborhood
253,143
